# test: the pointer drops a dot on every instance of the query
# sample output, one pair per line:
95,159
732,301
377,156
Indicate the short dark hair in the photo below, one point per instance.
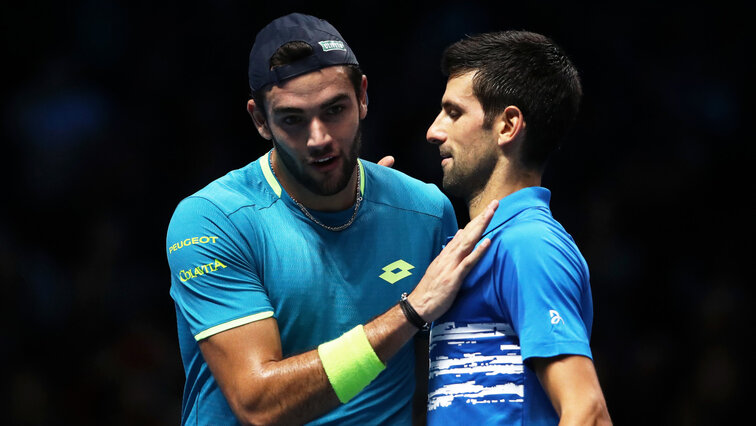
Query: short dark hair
523,69
294,51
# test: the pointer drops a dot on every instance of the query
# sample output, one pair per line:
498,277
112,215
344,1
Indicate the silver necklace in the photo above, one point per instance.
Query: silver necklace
311,217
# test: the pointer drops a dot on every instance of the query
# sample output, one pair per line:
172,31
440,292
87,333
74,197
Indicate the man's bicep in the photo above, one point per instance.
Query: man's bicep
569,380
236,354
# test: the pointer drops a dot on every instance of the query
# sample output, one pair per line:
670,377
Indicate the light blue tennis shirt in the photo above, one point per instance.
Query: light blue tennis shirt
240,250
528,296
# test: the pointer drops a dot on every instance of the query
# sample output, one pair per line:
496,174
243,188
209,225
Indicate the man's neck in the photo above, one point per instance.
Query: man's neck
504,181
339,201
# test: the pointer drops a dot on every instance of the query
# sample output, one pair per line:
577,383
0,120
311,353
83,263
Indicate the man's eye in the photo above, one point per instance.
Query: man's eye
291,120
453,114
336,109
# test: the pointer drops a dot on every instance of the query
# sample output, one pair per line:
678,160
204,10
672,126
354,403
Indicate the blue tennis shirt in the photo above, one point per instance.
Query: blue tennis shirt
528,296
240,250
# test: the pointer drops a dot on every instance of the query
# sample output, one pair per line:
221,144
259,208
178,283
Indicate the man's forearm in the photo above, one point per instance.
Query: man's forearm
294,390
388,332
589,411
297,389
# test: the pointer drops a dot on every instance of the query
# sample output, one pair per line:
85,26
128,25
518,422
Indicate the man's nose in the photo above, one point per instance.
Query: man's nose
319,134
436,135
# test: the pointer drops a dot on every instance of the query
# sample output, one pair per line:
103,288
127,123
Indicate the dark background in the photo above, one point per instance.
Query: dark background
112,112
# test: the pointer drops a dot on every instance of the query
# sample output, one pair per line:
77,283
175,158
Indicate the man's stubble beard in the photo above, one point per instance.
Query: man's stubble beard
466,181
324,188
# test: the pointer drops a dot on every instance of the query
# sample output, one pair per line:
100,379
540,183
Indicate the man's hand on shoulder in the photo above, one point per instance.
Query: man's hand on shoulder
439,286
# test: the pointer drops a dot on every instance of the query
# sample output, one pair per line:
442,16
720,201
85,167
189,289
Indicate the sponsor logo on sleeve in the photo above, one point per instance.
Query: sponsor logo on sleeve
197,271
555,318
205,239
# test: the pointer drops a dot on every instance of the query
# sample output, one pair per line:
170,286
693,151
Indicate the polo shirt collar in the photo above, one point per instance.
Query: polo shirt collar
276,187
516,202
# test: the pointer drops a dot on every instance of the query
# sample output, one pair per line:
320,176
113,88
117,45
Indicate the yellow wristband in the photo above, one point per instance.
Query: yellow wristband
350,363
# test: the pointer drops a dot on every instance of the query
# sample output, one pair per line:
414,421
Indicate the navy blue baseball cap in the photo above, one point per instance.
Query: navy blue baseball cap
328,46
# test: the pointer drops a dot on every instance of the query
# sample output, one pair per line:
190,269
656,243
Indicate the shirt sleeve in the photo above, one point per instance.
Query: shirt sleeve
214,280
546,290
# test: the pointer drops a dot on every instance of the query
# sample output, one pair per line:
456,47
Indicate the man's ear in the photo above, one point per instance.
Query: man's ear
510,125
363,100
259,119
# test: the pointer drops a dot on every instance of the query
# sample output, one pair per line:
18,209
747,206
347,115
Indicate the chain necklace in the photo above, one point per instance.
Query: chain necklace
311,217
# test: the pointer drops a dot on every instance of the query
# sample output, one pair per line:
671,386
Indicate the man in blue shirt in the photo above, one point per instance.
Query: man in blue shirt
514,347
298,279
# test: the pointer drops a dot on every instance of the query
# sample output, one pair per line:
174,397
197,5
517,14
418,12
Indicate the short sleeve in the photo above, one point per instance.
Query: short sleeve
214,280
545,287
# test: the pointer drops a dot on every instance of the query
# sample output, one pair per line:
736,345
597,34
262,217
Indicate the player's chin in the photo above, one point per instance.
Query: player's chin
452,185
336,184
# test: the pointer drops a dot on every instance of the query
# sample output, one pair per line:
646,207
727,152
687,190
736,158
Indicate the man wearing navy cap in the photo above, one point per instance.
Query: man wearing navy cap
514,347
298,279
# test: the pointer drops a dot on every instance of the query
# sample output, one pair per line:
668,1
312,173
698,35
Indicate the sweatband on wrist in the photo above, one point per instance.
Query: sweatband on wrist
350,363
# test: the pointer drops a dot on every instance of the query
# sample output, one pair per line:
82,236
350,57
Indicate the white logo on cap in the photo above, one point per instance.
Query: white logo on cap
329,45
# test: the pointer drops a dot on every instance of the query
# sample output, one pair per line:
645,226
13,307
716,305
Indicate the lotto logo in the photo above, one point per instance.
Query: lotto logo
396,271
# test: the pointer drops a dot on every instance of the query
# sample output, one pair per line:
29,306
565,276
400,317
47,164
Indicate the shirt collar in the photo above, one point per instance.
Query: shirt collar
516,202
276,187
